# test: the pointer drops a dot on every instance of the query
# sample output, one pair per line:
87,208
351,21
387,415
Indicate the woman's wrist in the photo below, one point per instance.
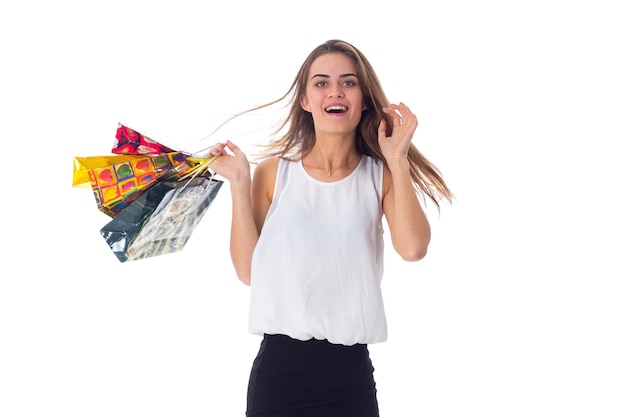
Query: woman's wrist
398,165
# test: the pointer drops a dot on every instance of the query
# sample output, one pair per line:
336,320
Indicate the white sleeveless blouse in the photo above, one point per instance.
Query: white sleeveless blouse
318,264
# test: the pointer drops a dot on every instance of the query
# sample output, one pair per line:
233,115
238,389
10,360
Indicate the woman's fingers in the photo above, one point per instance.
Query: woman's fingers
401,115
216,150
404,121
233,148
397,144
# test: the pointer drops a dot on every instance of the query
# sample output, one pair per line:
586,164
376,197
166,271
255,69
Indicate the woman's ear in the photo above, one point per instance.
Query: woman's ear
304,103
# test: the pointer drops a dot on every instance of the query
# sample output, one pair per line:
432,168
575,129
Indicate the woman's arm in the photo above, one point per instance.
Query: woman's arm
408,224
250,202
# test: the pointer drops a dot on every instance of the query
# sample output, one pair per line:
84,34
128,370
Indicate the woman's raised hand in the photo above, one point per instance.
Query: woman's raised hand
396,146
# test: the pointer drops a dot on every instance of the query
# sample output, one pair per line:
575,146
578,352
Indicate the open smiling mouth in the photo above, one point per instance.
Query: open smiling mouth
336,109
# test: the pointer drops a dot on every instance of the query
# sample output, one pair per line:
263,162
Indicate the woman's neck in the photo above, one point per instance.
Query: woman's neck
331,158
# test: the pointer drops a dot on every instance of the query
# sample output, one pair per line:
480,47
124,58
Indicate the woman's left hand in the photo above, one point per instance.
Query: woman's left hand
397,145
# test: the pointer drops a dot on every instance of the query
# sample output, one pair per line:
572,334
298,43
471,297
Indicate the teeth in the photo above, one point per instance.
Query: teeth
336,109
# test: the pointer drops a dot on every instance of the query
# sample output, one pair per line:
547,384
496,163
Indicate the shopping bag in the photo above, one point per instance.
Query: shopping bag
161,220
129,141
117,185
84,164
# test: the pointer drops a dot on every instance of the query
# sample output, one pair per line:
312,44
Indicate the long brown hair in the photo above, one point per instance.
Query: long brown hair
298,137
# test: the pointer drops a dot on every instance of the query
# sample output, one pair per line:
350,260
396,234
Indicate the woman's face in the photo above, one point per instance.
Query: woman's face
333,94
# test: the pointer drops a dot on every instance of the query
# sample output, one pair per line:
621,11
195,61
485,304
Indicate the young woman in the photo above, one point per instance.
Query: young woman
307,234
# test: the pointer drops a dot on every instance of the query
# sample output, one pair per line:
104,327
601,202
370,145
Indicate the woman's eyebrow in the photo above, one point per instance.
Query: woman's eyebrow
328,76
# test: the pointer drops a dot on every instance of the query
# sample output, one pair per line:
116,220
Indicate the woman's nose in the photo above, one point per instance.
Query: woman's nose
335,92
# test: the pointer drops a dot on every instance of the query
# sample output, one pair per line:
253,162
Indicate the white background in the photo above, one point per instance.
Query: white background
518,309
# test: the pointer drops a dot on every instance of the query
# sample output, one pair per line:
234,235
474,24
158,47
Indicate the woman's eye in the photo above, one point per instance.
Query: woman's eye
320,84
349,83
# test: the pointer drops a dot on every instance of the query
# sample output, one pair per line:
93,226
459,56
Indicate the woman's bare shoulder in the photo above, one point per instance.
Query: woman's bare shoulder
267,164
265,176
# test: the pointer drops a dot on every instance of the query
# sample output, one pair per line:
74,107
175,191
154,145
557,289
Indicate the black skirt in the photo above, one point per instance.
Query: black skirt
313,378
